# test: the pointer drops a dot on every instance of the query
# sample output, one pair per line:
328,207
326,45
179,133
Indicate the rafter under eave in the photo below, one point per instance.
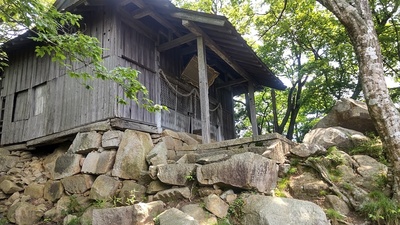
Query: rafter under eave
192,27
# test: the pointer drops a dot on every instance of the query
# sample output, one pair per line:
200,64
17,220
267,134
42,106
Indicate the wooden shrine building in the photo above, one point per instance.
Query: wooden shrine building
191,62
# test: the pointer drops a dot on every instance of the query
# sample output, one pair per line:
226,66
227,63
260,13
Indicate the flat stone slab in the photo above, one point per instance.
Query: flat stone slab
246,170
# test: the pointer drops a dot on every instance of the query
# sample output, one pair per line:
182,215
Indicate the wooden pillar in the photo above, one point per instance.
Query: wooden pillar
158,114
203,86
252,107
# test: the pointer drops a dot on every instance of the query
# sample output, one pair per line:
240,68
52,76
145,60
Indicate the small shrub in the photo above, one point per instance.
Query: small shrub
334,215
73,207
281,187
74,221
347,186
223,221
382,180
236,208
191,177
156,220
292,170
323,193
3,221
334,157
100,203
116,201
132,198
381,209
335,175
371,148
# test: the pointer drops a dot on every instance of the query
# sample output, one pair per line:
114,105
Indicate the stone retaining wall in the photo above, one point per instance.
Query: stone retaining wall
37,186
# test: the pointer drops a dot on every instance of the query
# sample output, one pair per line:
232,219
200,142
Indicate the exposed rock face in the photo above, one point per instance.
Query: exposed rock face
131,155
156,186
176,217
78,183
307,184
27,214
198,213
9,187
335,136
53,190
49,162
67,165
131,188
186,138
34,190
348,113
99,162
158,155
336,203
85,142
262,210
144,213
277,150
111,139
248,163
305,150
110,216
176,174
246,170
7,162
104,187
216,205
173,194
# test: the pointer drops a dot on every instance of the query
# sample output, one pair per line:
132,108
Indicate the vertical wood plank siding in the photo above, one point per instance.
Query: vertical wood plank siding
67,104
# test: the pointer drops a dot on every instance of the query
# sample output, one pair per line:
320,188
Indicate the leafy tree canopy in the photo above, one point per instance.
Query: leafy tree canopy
304,44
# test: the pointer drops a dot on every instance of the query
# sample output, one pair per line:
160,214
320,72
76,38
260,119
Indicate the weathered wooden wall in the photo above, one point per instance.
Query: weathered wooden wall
40,99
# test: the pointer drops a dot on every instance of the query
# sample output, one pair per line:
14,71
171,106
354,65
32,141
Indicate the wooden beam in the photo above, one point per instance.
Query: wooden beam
200,17
215,48
121,123
165,23
157,17
136,24
252,107
176,42
203,87
231,83
66,135
140,13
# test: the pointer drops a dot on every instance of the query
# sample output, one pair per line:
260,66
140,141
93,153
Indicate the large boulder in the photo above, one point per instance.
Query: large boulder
176,174
335,136
158,155
216,205
85,142
348,113
199,214
27,214
67,165
174,216
99,162
266,210
104,187
77,184
7,162
246,170
130,160
117,215
111,139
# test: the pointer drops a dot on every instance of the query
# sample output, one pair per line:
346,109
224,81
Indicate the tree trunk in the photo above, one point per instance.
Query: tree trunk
356,16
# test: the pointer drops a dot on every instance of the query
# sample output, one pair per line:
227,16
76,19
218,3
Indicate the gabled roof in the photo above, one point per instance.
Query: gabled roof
226,47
